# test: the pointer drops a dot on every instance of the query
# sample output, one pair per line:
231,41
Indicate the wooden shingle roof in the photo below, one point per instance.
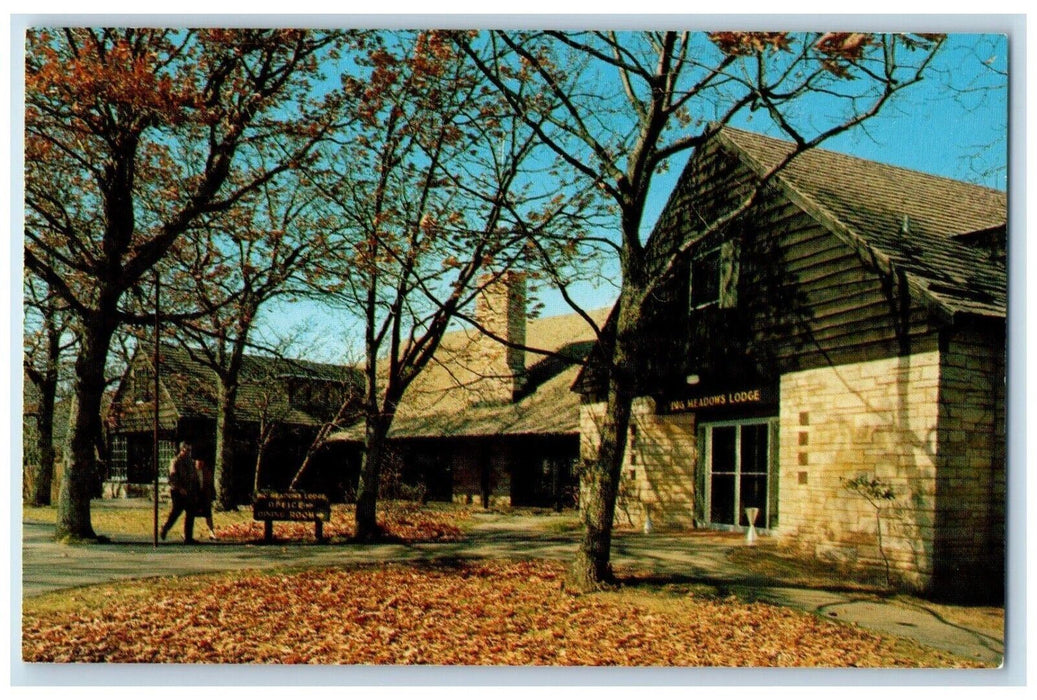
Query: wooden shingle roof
191,386
911,220
443,401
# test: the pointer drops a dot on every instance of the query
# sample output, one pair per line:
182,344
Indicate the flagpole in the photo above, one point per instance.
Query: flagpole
155,445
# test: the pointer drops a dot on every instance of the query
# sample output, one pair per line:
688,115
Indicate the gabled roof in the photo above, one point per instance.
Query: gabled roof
917,222
443,401
947,236
191,385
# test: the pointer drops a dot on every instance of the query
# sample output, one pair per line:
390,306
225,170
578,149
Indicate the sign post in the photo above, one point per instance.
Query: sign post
295,506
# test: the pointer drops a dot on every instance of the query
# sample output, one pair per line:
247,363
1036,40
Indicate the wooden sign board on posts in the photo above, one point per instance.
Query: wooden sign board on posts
294,506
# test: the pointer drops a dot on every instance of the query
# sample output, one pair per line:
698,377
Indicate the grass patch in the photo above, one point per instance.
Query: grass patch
766,559
563,526
132,593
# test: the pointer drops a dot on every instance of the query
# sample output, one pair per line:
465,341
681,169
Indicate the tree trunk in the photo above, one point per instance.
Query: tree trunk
42,472
264,441
599,479
79,479
599,483
223,469
375,437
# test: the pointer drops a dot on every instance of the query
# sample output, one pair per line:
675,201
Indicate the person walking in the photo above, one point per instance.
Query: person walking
206,494
183,492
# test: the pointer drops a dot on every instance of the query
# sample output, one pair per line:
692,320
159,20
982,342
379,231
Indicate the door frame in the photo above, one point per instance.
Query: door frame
768,519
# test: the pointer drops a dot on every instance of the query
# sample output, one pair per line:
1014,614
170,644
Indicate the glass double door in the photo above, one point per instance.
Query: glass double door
737,459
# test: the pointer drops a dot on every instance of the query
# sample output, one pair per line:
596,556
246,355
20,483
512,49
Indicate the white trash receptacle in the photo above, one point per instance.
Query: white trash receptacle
750,535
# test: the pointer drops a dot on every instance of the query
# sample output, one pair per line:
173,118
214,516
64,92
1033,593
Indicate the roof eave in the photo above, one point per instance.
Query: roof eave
865,251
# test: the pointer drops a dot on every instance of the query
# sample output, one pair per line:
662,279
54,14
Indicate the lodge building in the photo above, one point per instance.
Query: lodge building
281,404
483,423
850,324
488,423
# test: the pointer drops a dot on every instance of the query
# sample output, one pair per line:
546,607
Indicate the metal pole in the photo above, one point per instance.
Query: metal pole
155,445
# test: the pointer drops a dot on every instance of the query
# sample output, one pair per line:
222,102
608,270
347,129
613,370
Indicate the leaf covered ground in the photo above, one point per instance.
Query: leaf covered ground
400,520
464,613
408,522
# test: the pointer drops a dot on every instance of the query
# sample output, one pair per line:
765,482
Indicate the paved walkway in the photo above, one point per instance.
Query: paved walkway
47,566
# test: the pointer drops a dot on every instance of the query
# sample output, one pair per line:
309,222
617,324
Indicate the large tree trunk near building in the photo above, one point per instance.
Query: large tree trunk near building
376,430
591,568
223,469
78,481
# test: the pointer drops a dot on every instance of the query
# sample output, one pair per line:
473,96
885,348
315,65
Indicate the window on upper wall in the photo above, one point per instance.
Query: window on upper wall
728,275
705,279
714,278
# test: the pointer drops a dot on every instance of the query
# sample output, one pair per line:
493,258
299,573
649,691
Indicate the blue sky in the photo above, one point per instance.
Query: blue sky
953,124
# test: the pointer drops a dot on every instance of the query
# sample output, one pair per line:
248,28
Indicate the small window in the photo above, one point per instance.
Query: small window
117,466
714,278
167,450
705,279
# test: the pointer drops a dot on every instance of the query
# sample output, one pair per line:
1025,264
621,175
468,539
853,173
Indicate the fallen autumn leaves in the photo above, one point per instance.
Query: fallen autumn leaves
409,522
492,613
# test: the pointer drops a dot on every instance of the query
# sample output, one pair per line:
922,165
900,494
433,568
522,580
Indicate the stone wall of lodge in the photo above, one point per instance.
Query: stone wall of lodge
879,419
930,425
970,485
658,466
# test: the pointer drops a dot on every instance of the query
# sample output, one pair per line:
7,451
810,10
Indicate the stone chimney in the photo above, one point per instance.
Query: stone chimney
500,308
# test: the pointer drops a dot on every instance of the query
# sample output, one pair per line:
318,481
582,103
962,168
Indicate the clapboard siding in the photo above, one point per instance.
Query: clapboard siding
840,300
826,254
835,277
843,303
128,413
804,295
817,276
